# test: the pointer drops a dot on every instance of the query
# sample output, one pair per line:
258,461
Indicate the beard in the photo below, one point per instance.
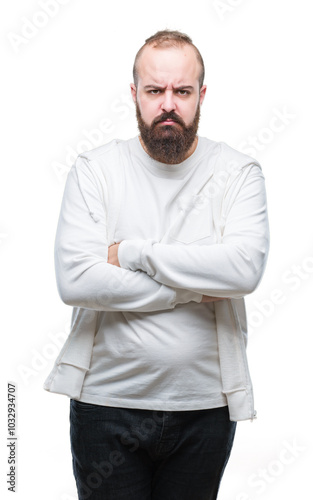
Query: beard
168,143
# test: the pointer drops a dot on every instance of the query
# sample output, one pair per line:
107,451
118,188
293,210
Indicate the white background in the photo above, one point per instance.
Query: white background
61,81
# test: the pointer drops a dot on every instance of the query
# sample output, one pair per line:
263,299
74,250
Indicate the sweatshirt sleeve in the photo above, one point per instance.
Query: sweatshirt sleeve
232,268
84,277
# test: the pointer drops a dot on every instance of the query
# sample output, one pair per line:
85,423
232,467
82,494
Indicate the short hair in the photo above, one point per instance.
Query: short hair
168,38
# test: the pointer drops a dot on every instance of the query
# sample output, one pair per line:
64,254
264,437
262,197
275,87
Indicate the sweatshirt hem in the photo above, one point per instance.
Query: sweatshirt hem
154,404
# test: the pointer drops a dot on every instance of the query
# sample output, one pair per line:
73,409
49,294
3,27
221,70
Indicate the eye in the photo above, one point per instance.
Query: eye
183,92
154,91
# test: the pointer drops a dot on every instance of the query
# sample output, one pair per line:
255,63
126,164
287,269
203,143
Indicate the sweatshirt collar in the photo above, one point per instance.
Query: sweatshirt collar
177,170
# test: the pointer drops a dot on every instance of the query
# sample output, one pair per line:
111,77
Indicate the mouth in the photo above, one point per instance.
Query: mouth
169,121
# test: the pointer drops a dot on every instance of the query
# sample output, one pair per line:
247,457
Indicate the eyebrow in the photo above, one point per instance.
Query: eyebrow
158,87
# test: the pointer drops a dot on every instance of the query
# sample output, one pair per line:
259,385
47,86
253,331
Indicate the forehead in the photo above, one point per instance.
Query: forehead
168,66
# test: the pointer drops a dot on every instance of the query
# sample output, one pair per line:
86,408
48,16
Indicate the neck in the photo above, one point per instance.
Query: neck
193,148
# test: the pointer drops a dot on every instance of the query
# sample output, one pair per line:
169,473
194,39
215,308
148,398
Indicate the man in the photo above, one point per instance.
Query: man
159,239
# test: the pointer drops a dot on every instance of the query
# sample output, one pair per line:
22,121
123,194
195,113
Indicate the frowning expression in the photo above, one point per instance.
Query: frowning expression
168,82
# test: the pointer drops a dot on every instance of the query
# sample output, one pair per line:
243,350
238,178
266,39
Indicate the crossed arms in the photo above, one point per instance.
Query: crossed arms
113,259
156,276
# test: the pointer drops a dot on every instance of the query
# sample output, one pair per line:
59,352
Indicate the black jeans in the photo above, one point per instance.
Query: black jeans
121,453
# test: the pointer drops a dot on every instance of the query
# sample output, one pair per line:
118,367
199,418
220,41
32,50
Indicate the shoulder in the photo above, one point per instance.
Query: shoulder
235,159
103,151
225,154
103,161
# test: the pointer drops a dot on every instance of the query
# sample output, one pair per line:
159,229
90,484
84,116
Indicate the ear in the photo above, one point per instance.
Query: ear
133,90
202,93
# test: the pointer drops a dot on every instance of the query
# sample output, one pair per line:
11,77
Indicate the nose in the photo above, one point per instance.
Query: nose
168,103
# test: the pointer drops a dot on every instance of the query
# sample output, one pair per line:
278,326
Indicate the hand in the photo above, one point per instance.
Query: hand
207,298
113,255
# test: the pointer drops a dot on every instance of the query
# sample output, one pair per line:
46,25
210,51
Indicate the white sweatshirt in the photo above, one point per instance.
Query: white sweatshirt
190,229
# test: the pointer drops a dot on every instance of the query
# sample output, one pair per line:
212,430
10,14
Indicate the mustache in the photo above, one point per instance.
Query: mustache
168,116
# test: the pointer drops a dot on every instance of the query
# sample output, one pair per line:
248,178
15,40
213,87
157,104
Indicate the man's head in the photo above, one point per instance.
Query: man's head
168,91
